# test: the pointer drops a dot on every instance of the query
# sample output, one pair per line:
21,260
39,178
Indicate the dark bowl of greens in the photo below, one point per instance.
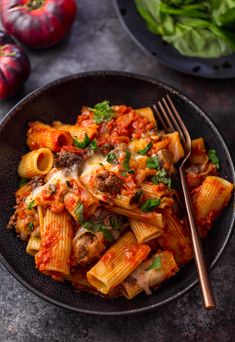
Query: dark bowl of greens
195,37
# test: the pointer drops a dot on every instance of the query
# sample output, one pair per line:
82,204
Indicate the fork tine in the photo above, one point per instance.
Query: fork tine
175,122
166,117
180,121
159,117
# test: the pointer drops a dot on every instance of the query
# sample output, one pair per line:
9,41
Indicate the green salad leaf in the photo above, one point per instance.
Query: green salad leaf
200,28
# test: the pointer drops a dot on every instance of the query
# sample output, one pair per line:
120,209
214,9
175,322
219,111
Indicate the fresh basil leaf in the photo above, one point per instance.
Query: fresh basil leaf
107,235
150,205
161,177
126,161
102,112
30,226
146,149
153,163
78,211
98,227
31,205
23,181
214,158
93,145
111,158
82,144
131,172
156,264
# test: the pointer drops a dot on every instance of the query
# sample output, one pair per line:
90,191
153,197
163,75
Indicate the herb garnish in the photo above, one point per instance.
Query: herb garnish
150,204
98,227
156,264
126,160
137,197
111,158
102,112
93,145
214,158
82,144
146,149
78,211
153,163
23,182
30,226
161,177
114,223
31,205
68,184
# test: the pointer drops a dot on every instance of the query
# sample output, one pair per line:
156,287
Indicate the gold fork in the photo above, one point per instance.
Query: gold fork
170,119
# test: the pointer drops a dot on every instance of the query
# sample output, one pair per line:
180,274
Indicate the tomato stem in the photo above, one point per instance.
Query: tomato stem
6,54
35,4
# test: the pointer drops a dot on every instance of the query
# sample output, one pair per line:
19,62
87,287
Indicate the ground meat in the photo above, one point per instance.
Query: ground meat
67,159
107,181
37,181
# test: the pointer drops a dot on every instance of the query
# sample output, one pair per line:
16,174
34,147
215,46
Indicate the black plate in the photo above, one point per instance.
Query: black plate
62,100
134,24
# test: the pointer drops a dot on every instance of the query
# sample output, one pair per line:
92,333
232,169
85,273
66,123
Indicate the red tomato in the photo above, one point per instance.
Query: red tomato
38,23
14,66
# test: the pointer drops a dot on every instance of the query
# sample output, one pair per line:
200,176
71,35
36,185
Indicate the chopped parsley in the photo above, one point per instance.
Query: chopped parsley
162,177
156,264
93,145
126,160
111,158
214,158
30,226
98,227
31,205
153,163
102,112
150,204
78,211
68,184
137,196
146,149
23,182
82,144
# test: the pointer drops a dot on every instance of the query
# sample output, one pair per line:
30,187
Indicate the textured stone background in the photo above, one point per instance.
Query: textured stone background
97,41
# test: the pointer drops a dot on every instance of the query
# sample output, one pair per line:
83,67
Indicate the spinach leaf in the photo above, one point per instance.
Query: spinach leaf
78,211
214,158
82,144
111,158
150,204
23,181
153,163
156,264
102,112
146,149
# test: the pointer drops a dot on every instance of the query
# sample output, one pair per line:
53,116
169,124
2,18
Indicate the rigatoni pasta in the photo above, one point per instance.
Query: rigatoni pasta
98,203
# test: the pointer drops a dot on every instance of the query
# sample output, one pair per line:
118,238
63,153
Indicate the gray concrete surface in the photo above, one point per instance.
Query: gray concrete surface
97,41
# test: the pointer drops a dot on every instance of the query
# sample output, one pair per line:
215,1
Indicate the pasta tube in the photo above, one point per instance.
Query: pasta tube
175,146
151,218
35,163
77,132
176,238
198,155
152,272
56,244
117,263
147,113
144,231
209,199
41,135
33,245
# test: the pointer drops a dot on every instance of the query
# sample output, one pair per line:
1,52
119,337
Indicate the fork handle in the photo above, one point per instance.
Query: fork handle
207,294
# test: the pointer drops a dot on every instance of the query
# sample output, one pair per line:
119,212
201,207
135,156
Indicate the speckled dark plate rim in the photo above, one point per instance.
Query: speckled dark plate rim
101,73
161,60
